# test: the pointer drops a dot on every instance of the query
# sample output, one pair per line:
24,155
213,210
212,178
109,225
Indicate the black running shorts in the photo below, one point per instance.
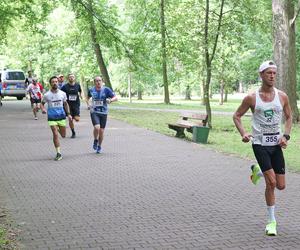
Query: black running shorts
32,100
99,119
269,157
74,110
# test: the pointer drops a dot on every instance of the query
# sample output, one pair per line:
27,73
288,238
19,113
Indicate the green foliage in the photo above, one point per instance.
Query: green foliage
54,37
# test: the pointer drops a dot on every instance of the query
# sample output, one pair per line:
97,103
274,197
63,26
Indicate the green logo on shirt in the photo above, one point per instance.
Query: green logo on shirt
269,113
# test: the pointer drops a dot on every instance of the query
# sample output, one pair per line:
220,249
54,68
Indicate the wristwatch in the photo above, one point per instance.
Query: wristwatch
287,137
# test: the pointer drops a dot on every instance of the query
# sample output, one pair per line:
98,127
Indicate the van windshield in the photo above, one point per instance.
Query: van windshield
15,75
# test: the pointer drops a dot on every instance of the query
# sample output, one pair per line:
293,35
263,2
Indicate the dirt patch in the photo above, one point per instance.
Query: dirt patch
8,234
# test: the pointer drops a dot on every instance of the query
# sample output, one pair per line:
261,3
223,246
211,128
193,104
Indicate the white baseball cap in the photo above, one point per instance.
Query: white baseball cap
267,64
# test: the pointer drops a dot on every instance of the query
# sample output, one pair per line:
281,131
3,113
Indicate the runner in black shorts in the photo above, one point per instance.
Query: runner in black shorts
268,106
35,90
99,119
73,92
101,96
270,157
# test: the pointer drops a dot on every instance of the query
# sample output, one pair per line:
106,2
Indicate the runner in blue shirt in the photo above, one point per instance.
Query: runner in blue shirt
101,96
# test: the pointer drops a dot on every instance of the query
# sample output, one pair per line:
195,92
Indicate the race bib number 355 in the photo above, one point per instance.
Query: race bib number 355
270,139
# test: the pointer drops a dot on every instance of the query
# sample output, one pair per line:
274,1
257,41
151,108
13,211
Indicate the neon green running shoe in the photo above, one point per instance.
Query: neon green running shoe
58,157
271,228
255,171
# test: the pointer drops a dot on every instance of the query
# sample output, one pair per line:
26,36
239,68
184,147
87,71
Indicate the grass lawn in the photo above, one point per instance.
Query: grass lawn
180,104
223,137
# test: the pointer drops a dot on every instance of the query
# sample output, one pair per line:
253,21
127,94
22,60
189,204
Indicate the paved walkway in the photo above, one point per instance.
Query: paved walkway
146,191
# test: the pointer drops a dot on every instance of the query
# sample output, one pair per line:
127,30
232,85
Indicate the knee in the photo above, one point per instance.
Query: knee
271,184
280,186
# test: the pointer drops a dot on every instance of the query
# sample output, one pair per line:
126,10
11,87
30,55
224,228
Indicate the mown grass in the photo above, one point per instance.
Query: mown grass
223,137
180,104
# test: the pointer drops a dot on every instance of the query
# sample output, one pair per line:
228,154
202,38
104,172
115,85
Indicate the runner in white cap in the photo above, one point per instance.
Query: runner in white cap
267,104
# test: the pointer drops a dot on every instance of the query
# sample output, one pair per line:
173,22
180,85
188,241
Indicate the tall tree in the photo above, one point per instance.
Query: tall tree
284,17
97,48
164,52
209,56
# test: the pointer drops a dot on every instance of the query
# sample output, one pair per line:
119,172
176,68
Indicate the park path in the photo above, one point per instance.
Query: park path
146,191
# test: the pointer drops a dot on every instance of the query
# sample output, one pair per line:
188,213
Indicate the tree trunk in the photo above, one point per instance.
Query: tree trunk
209,58
241,88
285,50
164,52
83,86
139,93
98,51
222,92
226,95
188,93
129,87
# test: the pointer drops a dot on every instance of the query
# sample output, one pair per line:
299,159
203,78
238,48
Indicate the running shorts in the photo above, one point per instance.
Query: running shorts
99,119
269,157
32,100
74,110
60,123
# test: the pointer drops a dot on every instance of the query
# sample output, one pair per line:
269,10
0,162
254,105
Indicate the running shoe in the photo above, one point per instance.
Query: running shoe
255,174
35,118
58,157
98,151
271,228
95,143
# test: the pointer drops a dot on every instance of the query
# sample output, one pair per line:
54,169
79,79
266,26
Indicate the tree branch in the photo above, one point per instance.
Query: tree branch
218,31
105,26
292,22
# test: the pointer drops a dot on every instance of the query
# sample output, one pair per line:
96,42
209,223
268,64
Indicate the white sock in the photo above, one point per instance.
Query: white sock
271,213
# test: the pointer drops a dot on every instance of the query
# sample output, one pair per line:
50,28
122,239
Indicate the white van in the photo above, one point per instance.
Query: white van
13,83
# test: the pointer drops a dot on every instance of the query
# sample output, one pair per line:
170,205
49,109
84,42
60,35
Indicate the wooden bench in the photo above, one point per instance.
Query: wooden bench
188,120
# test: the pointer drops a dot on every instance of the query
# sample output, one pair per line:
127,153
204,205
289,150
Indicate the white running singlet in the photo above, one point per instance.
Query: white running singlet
266,121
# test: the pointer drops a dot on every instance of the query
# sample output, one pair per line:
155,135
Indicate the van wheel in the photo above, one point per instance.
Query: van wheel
20,97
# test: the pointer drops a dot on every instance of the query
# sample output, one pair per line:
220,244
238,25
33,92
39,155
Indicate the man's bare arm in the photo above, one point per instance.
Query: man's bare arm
242,109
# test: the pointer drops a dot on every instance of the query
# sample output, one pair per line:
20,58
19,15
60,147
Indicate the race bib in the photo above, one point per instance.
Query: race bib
72,97
98,103
270,139
57,104
35,90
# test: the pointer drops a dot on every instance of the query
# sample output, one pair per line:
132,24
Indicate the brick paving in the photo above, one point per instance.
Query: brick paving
145,191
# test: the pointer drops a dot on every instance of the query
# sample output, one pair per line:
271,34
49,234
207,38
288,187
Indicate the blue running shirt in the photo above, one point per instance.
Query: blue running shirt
99,104
55,103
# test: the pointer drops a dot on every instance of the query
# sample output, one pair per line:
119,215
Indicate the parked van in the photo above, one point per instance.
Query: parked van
13,83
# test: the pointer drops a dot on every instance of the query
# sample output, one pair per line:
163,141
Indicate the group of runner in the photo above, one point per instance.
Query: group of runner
268,106
63,101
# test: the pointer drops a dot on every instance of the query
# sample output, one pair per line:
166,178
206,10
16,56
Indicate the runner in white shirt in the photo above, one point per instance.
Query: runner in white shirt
58,108
267,104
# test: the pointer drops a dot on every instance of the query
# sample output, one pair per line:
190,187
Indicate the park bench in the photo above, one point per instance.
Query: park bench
188,120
